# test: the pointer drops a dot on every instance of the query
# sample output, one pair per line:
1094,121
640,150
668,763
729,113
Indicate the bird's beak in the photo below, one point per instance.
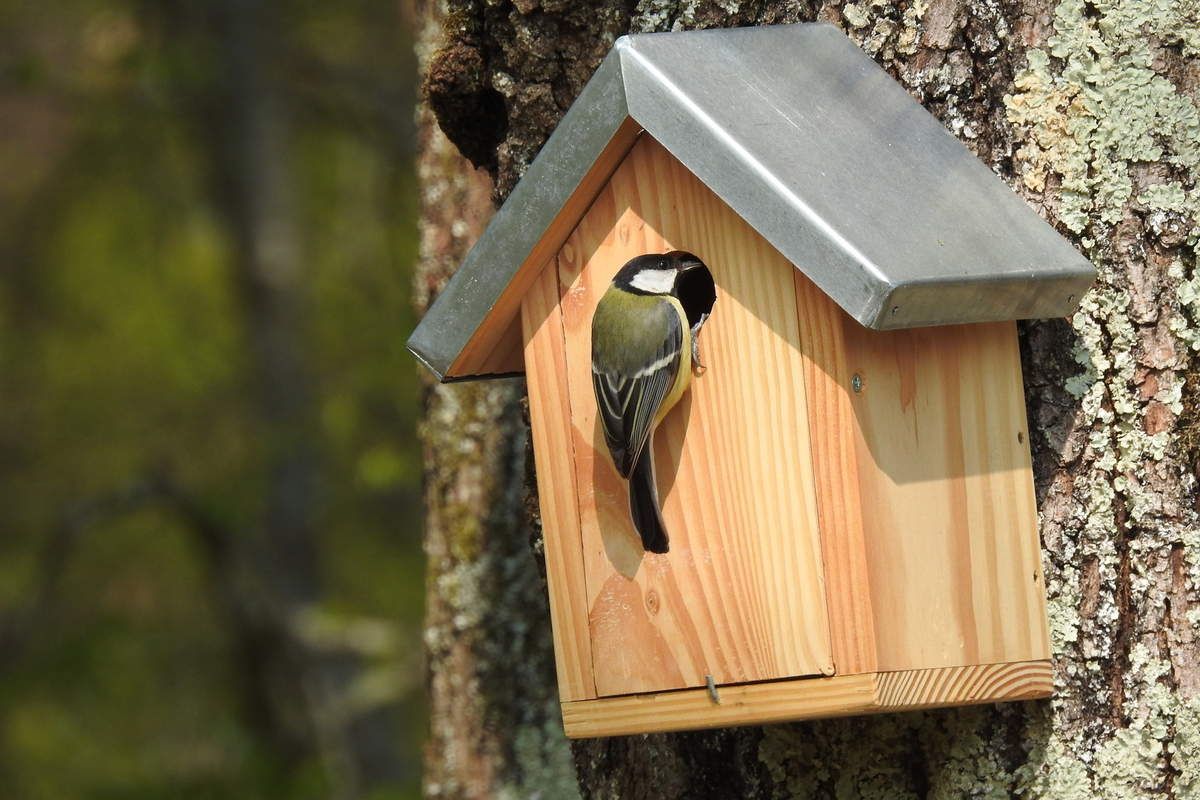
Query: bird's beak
690,265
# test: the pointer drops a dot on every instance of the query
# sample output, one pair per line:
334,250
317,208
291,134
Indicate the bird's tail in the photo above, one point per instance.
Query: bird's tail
643,503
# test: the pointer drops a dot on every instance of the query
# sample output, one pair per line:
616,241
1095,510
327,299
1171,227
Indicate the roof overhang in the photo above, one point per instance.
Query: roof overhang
810,142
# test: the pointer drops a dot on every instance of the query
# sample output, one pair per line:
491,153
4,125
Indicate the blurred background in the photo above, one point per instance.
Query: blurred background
210,549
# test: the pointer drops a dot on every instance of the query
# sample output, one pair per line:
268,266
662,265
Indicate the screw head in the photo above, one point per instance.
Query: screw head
856,383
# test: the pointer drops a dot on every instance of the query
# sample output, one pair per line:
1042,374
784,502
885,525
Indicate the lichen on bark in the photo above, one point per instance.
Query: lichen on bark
1111,148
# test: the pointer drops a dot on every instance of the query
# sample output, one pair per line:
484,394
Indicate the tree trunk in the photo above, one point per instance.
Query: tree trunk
1088,109
267,576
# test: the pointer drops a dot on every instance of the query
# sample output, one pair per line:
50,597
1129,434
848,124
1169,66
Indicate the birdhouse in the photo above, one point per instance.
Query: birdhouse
846,483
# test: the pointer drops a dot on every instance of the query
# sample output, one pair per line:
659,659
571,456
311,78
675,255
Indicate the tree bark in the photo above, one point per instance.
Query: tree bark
1088,109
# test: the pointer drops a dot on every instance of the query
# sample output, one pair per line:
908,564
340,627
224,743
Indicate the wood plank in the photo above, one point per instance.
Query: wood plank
507,356
489,350
947,489
963,686
746,704
941,463
832,429
740,596
550,415
808,698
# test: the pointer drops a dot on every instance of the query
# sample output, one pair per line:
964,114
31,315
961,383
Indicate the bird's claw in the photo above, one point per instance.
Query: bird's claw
696,363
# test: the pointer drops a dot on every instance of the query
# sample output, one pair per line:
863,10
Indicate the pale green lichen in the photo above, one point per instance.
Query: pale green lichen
1161,723
1107,390
874,757
1129,762
676,15
1093,107
852,758
882,29
1062,608
1190,538
1184,324
544,764
1105,107
856,15
1051,770
1184,748
966,763
1170,196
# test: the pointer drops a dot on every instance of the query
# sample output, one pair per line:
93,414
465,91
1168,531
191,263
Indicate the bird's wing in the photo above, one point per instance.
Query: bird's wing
631,385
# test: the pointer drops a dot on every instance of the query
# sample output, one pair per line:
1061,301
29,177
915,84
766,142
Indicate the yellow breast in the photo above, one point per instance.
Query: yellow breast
684,378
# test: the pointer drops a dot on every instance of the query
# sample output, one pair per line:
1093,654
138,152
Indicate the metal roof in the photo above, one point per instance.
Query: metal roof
822,153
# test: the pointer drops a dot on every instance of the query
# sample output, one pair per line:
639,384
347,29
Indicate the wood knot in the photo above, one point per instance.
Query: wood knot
652,602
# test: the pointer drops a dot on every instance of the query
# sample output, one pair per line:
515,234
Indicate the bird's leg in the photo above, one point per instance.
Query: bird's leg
699,367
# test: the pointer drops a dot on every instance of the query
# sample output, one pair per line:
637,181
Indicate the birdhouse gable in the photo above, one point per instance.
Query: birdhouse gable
811,143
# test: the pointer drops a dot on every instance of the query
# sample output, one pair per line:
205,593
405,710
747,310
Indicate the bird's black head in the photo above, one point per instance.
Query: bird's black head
676,273
648,274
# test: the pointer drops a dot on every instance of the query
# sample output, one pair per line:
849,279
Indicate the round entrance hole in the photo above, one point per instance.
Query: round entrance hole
696,289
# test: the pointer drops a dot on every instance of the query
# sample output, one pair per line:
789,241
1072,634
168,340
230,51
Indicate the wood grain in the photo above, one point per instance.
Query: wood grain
740,596
746,704
550,415
493,349
833,432
962,686
808,698
507,356
928,477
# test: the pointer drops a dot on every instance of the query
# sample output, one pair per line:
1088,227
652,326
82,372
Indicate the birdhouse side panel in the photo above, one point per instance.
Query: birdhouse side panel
937,447
550,428
740,594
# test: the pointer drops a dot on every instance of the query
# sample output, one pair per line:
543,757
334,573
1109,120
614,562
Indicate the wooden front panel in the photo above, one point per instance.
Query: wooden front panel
550,423
930,490
740,595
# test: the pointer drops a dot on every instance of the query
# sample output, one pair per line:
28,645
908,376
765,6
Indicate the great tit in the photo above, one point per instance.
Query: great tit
644,346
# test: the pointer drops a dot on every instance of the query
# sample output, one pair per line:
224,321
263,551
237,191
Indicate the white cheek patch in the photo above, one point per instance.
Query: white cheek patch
655,281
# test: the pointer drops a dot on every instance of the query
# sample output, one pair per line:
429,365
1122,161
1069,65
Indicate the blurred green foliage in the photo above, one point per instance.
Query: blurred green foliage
124,353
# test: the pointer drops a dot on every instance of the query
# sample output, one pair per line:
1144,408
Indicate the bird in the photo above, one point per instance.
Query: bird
645,346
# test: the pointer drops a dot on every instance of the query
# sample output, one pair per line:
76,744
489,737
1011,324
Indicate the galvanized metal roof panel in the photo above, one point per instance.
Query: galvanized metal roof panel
521,222
834,163
819,150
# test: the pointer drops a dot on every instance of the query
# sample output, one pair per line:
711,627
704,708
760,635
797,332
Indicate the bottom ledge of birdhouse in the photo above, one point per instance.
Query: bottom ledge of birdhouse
808,698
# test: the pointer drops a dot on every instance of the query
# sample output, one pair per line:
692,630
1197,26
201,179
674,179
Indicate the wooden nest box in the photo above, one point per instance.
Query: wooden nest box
847,484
